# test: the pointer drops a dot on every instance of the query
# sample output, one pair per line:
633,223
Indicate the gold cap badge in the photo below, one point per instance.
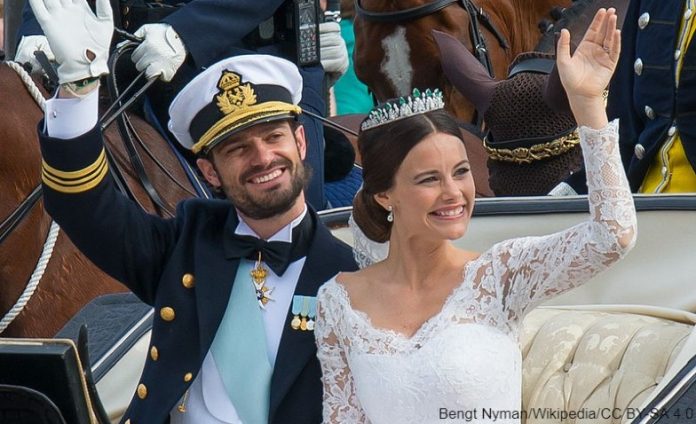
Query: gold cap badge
233,94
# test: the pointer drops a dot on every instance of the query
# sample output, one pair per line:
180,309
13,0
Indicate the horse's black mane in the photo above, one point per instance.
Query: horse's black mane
563,17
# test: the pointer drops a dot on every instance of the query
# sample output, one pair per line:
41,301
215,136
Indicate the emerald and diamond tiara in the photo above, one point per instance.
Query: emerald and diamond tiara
403,107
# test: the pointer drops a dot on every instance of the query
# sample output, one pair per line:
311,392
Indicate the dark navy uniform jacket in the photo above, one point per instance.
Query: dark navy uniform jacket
643,93
213,30
181,267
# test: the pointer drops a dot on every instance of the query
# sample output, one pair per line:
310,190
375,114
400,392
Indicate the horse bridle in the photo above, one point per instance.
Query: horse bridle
477,15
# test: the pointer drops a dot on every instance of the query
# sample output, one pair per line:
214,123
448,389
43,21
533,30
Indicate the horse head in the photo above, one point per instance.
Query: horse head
394,51
531,141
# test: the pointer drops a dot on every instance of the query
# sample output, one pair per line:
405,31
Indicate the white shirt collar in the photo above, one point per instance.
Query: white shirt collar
284,234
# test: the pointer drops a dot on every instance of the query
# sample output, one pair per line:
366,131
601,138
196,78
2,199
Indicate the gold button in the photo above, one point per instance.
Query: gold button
126,10
142,391
188,280
187,377
167,313
154,353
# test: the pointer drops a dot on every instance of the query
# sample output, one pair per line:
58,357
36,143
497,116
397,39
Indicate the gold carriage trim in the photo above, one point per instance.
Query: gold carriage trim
524,155
241,117
75,181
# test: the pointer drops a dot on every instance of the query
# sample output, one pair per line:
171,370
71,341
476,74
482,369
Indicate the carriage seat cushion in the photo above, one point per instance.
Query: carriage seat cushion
604,359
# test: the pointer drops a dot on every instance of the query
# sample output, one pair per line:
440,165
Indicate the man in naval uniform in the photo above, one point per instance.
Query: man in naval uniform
180,38
653,93
232,281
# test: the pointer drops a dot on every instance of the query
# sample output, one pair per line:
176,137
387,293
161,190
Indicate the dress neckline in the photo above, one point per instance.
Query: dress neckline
424,325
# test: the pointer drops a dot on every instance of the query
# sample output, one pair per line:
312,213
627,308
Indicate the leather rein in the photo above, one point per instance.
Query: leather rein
129,136
20,212
477,16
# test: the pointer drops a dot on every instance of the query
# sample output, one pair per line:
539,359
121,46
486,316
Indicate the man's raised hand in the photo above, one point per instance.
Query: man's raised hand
79,38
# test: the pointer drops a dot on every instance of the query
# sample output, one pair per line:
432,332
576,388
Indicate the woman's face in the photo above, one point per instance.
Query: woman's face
433,192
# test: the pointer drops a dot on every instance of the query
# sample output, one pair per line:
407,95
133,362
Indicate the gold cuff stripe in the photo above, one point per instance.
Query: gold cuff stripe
238,118
63,188
523,155
71,175
80,180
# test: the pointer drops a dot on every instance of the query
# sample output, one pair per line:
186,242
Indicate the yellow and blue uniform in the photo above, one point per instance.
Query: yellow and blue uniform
653,93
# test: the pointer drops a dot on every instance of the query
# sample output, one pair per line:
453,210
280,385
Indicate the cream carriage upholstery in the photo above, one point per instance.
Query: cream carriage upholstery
608,359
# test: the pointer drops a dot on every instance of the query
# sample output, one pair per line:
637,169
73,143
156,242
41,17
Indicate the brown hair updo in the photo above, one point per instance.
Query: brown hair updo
383,149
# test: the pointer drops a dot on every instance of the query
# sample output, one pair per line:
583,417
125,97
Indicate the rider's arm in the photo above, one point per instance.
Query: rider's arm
210,28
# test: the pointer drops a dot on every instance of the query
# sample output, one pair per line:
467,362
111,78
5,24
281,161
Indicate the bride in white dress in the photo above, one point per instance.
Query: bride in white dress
430,334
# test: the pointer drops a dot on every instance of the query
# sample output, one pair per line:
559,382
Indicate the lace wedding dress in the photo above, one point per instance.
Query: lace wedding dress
465,361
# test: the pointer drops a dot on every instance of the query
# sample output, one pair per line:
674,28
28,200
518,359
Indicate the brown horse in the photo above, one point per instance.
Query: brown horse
531,141
69,280
393,57
395,51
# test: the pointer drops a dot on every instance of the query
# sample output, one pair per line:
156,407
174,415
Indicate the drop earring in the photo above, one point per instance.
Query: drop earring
390,215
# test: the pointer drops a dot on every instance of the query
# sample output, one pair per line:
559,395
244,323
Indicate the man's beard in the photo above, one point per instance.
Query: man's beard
274,202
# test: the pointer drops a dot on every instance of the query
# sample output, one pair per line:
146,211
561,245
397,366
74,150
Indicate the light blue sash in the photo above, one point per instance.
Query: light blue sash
239,349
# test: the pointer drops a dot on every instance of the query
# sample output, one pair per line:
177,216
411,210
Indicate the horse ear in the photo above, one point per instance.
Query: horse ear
554,93
464,71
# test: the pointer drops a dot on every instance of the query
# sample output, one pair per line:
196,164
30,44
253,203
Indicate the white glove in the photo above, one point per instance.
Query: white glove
161,53
27,46
79,38
333,51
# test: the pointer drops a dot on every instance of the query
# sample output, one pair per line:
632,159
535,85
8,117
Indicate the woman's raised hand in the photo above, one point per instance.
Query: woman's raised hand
586,74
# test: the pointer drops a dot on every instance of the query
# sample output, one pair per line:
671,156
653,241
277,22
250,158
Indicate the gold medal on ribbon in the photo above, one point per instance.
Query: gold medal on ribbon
296,308
312,313
304,312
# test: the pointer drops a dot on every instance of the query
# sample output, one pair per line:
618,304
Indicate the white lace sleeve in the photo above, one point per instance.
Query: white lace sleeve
365,251
340,403
532,269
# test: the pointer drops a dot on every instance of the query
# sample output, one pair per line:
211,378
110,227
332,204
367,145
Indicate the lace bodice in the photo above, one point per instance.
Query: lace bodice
466,357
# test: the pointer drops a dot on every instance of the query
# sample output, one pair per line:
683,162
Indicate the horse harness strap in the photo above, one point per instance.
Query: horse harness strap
477,40
403,15
22,210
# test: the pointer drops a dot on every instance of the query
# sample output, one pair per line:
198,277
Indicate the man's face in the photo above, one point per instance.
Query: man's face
260,169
